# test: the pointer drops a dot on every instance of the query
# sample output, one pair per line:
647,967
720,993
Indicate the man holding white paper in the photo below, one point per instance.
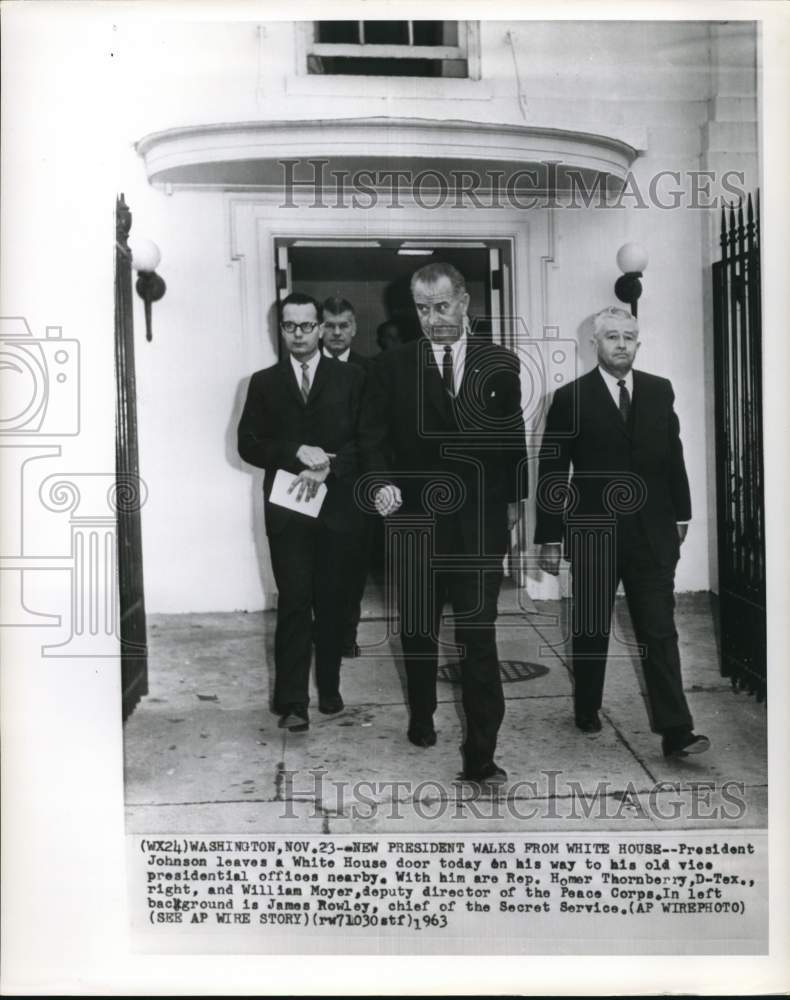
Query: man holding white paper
299,424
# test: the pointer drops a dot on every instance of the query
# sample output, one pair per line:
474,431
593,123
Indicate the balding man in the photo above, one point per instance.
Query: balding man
443,430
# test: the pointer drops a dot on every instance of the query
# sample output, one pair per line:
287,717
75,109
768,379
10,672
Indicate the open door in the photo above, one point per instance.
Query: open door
373,273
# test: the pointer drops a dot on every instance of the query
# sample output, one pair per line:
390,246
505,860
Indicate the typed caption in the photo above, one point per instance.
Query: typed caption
662,893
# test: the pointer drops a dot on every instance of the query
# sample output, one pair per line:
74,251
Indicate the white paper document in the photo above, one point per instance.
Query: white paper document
281,496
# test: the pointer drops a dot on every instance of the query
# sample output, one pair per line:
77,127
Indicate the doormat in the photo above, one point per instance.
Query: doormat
510,670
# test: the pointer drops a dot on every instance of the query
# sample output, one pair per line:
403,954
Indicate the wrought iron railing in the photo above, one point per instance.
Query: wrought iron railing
134,657
737,320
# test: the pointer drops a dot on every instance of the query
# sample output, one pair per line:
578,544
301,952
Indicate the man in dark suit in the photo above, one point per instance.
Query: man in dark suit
301,416
623,517
338,329
442,430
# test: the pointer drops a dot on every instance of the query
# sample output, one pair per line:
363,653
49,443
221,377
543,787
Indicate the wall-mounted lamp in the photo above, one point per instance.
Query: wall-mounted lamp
632,261
150,287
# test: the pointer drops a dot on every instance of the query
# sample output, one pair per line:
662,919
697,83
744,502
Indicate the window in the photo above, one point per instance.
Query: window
389,48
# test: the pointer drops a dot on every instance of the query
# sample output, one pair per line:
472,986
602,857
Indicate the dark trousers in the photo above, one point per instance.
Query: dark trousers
359,561
597,567
310,565
473,593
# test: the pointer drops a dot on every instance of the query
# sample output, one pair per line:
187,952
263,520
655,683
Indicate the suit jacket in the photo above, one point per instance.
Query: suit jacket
584,429
360,360
276,421
414,434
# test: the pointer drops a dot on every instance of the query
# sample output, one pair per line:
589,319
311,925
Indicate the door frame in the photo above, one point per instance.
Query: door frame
500,254
257,221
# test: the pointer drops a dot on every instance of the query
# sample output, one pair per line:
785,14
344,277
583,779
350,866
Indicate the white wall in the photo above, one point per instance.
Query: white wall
203,542
191,73
204,547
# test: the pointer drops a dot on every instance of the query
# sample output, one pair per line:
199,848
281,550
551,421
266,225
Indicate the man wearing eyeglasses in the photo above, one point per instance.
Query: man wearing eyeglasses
301,416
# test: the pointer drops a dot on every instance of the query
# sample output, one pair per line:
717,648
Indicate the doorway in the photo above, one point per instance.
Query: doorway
374,275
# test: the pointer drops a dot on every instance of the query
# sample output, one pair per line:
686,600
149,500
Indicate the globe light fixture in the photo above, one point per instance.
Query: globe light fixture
146,256
632,261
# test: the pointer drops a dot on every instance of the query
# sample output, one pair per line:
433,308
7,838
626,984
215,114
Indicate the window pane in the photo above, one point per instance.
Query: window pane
435,32
386,32
352,66
337,32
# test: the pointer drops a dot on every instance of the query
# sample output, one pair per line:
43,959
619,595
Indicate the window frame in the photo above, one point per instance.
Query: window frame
468,49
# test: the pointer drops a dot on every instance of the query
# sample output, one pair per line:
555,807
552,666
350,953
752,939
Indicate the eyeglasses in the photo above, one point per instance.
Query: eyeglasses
308,327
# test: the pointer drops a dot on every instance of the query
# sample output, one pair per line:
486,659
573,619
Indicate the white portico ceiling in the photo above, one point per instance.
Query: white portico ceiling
250,154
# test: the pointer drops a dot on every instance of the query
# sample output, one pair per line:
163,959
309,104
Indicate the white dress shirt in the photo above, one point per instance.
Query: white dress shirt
459,359
338,357
614,389
312,364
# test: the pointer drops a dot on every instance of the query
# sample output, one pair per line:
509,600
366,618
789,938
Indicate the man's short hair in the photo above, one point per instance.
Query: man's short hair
335,305
432,273
612,312
300,299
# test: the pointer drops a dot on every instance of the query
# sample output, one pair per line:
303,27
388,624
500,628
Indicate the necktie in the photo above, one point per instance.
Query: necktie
305,381
447,370
625,400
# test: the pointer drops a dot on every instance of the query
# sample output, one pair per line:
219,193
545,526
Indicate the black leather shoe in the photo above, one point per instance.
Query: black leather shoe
331,705
589,723
684,744
294,721
491,774
422,735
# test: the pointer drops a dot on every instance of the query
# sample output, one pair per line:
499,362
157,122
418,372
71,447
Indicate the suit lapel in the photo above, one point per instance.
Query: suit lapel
604,402
289,380
475,353
319,382
294,388
639,411
432,379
